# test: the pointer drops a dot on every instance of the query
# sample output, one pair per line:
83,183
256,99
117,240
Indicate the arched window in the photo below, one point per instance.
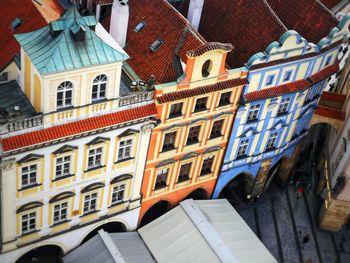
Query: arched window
64,94
99,87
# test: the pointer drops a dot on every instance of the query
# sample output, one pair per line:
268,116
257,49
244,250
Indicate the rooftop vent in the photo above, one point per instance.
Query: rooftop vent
139,26
156,44
15,23
78,32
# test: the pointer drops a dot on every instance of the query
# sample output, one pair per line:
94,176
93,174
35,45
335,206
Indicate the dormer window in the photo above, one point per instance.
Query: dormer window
15,23
99,87
156,44
64,94
139,26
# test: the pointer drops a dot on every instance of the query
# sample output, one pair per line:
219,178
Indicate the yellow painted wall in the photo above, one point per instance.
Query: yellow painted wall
27,77
37,93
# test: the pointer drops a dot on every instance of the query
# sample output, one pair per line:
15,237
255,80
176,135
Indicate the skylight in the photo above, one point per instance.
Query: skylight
139,26
156,44
16,23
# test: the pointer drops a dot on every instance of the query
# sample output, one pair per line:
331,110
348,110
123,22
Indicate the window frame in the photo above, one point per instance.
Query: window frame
98,81
255,111
94,157
178,113
159,181
124,149
89,202
289,72
28,174
65,86
201,105
245,146
273,137
169,146
269,80
62,165
183,177
194,140
217,134
66,203
226,101
116,197
283,107
205,170
29,229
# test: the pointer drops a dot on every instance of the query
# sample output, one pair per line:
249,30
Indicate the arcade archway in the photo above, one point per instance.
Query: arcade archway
198,194
155,211
43,254
112,227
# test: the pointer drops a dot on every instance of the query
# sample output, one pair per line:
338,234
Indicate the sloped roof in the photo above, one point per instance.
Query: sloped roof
164,22
330,3
31,20
308,17
249,25
203,231
50,9
58,52
77,127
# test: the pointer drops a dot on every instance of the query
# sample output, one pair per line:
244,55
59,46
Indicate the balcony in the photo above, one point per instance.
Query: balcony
23,124
135,98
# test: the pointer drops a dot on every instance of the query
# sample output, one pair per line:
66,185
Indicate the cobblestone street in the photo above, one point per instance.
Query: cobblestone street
288,228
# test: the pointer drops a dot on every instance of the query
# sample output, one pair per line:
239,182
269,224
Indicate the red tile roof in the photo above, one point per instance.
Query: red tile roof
292,86
308,17
330,3
31,20
278,91
325,73
78,127
249,25
330,113
162,21
208,47
334,97
178,95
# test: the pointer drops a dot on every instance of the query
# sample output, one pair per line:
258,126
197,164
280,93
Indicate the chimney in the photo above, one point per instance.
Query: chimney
195,12
119,21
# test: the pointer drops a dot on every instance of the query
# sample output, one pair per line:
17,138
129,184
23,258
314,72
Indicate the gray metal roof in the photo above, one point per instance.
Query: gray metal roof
111,247
11,95
203,231
54,49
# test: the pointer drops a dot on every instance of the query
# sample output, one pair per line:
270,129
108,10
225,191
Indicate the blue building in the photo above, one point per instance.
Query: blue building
290,49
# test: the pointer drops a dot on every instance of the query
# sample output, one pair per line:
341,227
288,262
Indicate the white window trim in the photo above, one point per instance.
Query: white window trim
68,87
60,212
124,147
116,189
29,230
98,82
37,169
243,144
88,156
62,165
85,201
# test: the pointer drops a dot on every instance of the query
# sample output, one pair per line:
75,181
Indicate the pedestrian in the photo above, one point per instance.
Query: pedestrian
300,191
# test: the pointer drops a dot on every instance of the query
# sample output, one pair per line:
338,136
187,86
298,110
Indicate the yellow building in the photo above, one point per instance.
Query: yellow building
74,139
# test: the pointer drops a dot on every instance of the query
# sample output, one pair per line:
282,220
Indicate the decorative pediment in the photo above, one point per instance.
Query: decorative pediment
121,178
92,187
278,125
249,132
336,34
98,140
61,196
213,149
128,132
65,148
30,157
165,162
189,155
29,206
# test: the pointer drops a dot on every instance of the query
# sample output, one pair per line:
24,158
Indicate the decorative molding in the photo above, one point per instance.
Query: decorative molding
121,178
92,187
61,196
8,164
29,206
30,157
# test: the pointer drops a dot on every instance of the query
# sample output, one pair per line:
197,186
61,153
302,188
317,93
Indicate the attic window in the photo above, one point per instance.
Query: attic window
16,23
139,26
156,44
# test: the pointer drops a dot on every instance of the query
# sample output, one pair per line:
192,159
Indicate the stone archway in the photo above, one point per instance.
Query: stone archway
236,191
111,227
198,194
43,254
155,211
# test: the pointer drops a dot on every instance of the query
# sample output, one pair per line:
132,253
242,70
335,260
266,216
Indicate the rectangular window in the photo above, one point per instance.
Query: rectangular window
169,141
216,130
175,110
118,194
29,174
225,98
243,147
28,222
284,106
253,112
162,176
271,143
328,60
269,80
62,166
207,166
4,77
124,151
287,76
60,212
90,202
201,104
184,172
308,96
193,135
95,157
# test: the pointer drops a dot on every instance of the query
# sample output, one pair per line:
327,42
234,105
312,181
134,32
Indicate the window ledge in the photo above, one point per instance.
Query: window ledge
285,113
204,173
89,213
214,136
30,232
94,168
63,177
270,149
200,110
240,157
29,187
224,104
119,203
168,149
124,160
174,116
160,187
97,101
65,108
60,223
179,182
191,142
252,121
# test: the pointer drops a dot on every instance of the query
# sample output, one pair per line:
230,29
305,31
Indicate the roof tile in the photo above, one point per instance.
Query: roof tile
78,127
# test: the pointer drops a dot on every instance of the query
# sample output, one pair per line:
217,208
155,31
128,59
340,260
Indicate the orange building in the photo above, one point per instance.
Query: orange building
196,113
